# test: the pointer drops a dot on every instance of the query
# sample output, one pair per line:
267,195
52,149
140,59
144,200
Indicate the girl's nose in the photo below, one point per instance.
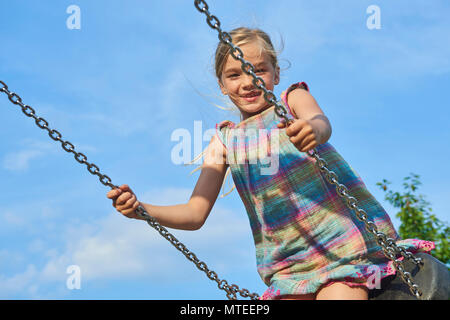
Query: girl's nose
248,82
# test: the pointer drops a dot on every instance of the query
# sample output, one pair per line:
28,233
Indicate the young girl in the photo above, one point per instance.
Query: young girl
309,244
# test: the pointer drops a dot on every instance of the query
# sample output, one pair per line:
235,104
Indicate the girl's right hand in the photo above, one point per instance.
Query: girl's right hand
125,201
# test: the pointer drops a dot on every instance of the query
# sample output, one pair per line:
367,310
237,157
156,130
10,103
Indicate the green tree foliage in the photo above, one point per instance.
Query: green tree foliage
417,222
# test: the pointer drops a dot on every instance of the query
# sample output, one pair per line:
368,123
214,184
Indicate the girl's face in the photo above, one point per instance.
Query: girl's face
239,86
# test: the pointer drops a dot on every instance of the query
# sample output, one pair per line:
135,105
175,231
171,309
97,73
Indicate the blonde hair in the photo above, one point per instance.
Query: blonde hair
241,36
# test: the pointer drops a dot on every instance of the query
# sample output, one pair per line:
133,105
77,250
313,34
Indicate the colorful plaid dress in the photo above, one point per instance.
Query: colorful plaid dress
305,236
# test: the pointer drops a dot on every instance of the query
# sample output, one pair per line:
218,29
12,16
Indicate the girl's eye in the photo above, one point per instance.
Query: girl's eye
260,70
234,75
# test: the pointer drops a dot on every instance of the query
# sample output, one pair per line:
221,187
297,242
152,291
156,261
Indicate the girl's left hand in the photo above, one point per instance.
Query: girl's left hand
302,134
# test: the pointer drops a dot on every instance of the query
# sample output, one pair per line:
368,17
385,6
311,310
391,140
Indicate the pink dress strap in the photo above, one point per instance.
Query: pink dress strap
219,126
294,86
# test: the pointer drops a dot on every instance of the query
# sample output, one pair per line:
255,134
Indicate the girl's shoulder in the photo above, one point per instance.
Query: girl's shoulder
284,95
225,123
301,85
297,85
221,128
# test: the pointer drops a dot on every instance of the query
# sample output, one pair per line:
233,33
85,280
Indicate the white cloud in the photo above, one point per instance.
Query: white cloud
25,216
408,50
12,219
35,150
21,283
119,248
20,160
412,39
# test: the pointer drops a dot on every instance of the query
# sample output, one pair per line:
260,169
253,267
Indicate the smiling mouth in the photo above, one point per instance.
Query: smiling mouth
251,95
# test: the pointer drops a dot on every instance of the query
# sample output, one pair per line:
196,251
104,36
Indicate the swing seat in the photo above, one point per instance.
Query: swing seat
433,279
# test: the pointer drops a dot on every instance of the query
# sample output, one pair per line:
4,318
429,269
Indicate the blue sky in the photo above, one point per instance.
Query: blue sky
138,70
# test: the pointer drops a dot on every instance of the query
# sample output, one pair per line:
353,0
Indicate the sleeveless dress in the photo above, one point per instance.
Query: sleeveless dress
304,234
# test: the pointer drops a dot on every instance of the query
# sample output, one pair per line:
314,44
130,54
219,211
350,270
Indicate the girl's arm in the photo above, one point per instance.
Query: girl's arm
304,106
192,215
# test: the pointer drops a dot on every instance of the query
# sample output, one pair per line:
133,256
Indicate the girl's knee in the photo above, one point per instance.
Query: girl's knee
341,291
297,297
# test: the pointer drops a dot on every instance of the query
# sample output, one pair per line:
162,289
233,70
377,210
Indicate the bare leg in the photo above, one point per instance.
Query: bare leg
297,297
340,291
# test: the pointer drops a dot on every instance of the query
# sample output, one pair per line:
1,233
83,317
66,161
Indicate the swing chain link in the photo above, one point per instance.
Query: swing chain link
237,54
55,135
231,290
390,249
388,245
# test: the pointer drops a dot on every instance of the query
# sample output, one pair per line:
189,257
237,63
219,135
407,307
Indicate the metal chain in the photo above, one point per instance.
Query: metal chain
237,54
389,247
230,290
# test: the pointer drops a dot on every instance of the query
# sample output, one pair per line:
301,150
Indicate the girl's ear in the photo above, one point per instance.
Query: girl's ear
277,76
222,88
